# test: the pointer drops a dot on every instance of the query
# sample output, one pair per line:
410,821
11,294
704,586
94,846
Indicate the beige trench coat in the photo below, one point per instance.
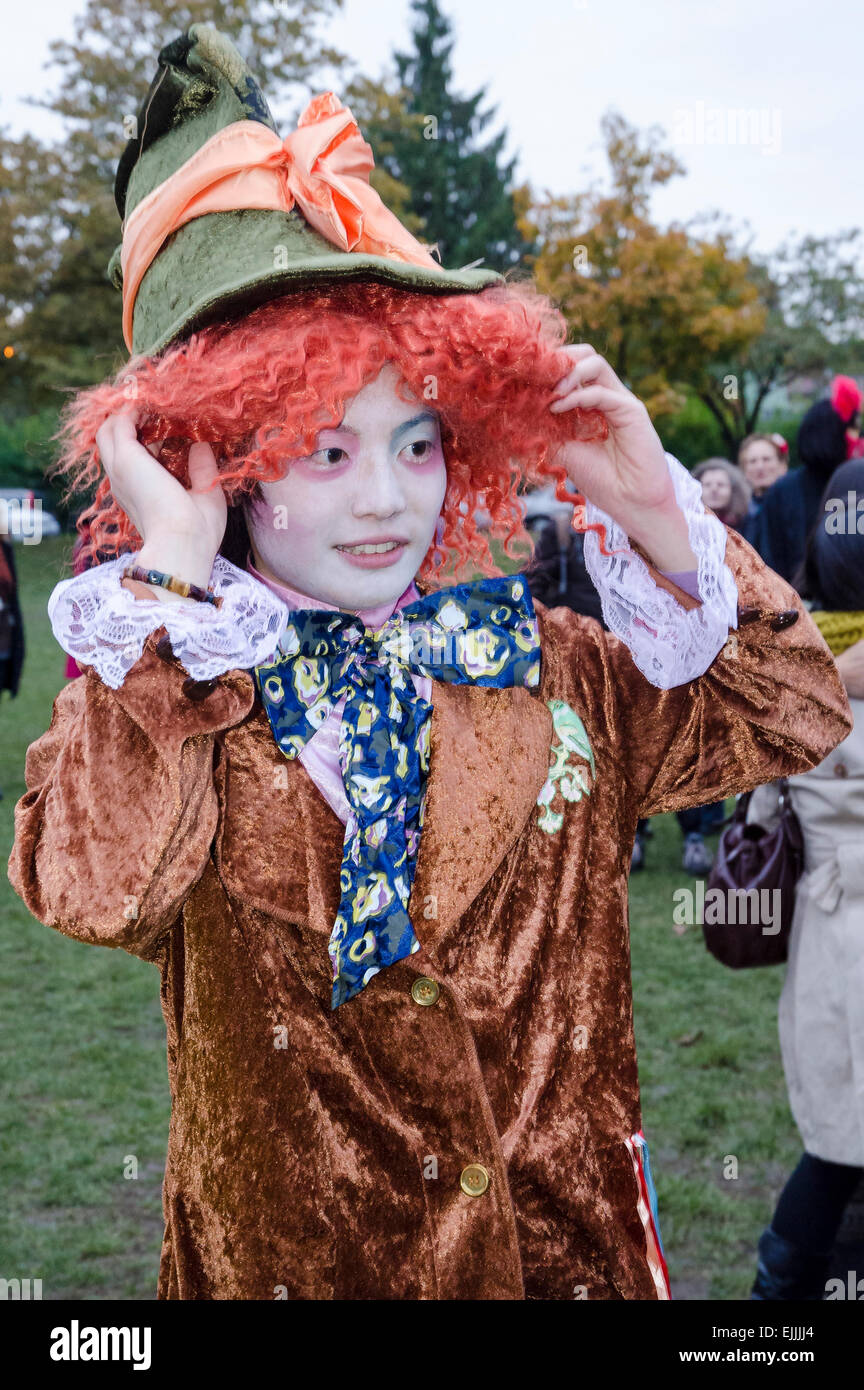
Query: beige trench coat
821,1019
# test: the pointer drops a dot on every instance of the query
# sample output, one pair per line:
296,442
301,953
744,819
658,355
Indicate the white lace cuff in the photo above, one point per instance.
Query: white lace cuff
101,624
670,644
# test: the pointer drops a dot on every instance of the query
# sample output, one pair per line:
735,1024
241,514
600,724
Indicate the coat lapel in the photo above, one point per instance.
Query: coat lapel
279,847
489,760
280,843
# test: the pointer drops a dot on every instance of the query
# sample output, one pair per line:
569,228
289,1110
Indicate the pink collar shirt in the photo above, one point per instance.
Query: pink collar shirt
320,756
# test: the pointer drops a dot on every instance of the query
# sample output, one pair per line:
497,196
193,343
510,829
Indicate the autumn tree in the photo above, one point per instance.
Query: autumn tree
58,222
664,306
430,141
812,295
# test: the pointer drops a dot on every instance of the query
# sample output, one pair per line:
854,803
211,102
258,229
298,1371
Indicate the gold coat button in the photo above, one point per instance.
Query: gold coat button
424,990
474,1179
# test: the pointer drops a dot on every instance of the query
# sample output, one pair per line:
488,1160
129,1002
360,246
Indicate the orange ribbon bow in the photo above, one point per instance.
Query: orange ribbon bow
323,167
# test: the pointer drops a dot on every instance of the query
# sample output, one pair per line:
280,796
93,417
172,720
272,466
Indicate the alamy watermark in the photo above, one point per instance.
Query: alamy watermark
754,907
844,516
18,1289
77,1343
399,640
21,517
699,124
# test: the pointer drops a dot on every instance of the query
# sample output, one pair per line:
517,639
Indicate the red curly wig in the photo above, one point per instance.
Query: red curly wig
259,388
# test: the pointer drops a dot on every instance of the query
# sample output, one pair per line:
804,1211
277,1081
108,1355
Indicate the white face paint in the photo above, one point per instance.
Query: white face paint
379,477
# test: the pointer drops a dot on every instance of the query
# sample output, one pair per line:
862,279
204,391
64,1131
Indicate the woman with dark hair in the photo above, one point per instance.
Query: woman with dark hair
793,503
821,1019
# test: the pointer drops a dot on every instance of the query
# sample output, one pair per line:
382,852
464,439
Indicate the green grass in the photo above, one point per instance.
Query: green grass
84,1075
85,1084
713,1094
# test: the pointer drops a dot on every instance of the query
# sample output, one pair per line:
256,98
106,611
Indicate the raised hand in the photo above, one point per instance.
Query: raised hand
181,528
625,475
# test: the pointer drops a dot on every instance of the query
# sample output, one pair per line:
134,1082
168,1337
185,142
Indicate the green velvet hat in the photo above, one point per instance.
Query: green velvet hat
222,263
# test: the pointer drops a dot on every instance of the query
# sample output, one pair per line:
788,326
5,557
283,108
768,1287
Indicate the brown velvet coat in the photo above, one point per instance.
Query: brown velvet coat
317,1154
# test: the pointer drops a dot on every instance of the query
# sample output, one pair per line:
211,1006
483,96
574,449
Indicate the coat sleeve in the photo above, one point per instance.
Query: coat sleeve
120,811
771,703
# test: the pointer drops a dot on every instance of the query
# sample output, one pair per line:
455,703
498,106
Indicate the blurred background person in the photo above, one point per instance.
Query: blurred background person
794,503
762,461
724,489
821,1014
557,575
11,625
782,446
846,397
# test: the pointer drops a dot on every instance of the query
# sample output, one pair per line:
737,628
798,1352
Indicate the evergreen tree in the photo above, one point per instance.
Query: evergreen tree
458,186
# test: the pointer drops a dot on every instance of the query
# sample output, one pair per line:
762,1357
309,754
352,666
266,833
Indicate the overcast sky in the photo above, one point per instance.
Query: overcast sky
553,67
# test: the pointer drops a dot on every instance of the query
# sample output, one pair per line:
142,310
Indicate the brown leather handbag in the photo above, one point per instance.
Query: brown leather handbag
769,861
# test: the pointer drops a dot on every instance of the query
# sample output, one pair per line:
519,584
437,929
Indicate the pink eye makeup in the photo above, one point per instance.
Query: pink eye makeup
430,449
332,457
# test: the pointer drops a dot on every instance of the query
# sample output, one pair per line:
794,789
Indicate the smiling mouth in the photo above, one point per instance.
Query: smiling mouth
380,548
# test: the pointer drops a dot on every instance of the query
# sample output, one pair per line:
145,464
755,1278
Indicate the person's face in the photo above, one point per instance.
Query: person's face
379,477
761,465
716,489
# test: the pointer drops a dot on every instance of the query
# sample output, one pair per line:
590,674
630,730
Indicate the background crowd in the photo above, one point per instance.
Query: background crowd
675,309
804,523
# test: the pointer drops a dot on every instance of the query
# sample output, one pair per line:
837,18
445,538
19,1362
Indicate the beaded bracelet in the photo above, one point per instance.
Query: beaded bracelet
177,586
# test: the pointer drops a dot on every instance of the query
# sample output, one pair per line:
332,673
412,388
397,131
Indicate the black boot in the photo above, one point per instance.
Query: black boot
786,1272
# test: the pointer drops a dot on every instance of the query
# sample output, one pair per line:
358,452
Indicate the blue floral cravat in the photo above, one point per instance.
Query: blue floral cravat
484,633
